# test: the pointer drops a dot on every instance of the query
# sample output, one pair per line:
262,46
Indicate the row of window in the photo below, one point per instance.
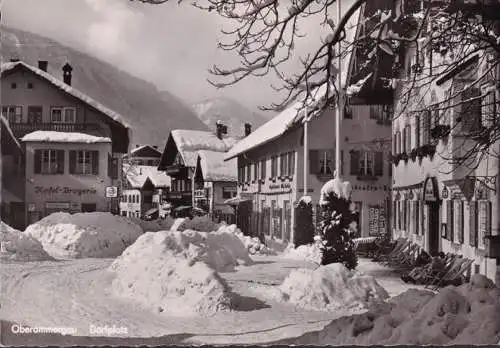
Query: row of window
281,165
29,85
382,113
131,214
81,162
58,114
149,162
131,198
408,216
180,185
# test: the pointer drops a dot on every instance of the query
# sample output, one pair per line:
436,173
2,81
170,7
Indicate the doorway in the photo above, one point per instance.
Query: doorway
433,228
88,207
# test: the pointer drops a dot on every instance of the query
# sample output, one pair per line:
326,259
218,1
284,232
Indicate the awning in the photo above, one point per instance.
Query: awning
151,211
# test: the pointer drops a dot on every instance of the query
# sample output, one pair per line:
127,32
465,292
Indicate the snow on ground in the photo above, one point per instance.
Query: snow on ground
329,288
252,244
15,246
80,235
176,272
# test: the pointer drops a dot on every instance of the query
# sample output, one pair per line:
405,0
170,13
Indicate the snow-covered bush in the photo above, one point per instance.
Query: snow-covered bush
252,244
176,272
16,246
304,227
199,223
331,287
84,234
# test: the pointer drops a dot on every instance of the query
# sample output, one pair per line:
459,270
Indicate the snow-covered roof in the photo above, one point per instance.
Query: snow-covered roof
9,66
63,137
278,125
214,168
137,176
189,142
5,125
145,147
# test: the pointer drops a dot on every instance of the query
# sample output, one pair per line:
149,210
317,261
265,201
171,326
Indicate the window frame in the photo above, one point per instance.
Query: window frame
63,110
17,113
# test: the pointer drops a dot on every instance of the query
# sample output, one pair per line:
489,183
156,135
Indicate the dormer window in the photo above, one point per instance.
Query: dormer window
63,115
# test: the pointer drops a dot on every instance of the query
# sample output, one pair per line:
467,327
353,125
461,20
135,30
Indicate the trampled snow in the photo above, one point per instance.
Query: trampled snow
81,235
63,137
310,252
16,246
331,287
176,272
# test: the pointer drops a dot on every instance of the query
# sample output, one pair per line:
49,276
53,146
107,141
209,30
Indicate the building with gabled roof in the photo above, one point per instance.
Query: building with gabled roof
73,145
147,155
180,156
215,182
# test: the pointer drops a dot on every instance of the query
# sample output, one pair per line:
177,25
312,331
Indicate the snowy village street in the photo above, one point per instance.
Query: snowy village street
75,293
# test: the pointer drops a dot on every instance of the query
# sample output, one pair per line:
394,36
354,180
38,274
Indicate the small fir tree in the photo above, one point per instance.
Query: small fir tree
304,227
335,226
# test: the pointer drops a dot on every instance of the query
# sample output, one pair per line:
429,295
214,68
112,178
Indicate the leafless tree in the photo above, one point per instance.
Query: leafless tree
442,36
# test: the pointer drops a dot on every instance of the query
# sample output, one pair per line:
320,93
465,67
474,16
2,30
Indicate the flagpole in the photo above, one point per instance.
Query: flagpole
339,110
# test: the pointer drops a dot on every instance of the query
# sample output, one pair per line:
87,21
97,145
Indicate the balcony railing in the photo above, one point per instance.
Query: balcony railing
21,129
176,170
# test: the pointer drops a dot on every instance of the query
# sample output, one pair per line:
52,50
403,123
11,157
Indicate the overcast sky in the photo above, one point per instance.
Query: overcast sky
171,45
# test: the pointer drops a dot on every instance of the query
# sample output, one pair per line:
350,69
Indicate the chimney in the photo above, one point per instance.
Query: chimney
67,69
155,146
248,129
220,129
42,65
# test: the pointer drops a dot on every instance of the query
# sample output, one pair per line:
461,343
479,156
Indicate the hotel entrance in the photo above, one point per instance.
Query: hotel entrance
431,199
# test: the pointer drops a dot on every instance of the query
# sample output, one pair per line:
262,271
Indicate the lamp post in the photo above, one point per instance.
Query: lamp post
306,148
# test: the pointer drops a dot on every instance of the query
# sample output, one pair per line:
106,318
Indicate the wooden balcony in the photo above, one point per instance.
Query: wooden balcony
178,195
177,171
21,129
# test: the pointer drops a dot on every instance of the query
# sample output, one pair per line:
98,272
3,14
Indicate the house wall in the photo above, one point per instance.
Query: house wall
128,207
65,191
420,227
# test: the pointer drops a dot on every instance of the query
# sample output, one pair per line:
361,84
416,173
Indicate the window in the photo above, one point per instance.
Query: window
283,164
484,222
417,130
274,166
321,162
49,162
228,192
379,163
488,112
13,85
63,114
35,114
348,111
241,174
458,221
249,173
263,169
408,139
366,163
84,162
291,163
470,113
425,127
13,113
30,85
255,171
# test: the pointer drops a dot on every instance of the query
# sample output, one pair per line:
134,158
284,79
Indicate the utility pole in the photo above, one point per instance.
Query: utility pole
306,148
340,98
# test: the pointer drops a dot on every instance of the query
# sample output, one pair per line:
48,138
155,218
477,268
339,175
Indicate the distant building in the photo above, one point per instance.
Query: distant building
73,144
179,159
144,192
143,155
11,151
215,181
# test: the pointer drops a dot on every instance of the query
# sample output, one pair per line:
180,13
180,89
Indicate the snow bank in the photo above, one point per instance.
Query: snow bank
176,272
331,287
177,223
81,235
16,246
464,315
155,225
309,252
252,244
63,137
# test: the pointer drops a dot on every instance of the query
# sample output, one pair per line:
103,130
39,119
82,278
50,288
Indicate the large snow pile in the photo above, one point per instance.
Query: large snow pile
176,272
81,235
177,223
16,246
252,244
308,252
464,315
156,225
331,287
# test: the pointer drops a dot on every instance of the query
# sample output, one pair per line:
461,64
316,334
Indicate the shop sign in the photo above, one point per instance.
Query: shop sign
280,187
111,192
431,189
58,190
57,205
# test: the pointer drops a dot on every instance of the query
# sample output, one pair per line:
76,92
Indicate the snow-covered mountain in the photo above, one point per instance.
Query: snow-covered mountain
151,113
230,112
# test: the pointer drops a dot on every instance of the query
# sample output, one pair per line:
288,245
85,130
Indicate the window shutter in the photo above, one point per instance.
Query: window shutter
425,127
95,162
341,162
403,142
450,220
488,112
470,113
487,232
408,138
379,163
110,164
394,214
60,161
473,223
460,213
417,131
38,161
114,174
355,156
72,162
313,161
394,142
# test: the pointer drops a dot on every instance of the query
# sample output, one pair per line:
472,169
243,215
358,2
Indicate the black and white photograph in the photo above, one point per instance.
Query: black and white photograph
261,172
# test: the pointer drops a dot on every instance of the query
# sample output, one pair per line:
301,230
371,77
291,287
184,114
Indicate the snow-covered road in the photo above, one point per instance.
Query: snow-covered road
76,294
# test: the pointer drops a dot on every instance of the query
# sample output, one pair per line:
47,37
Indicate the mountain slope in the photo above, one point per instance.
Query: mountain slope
150,113
230,112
